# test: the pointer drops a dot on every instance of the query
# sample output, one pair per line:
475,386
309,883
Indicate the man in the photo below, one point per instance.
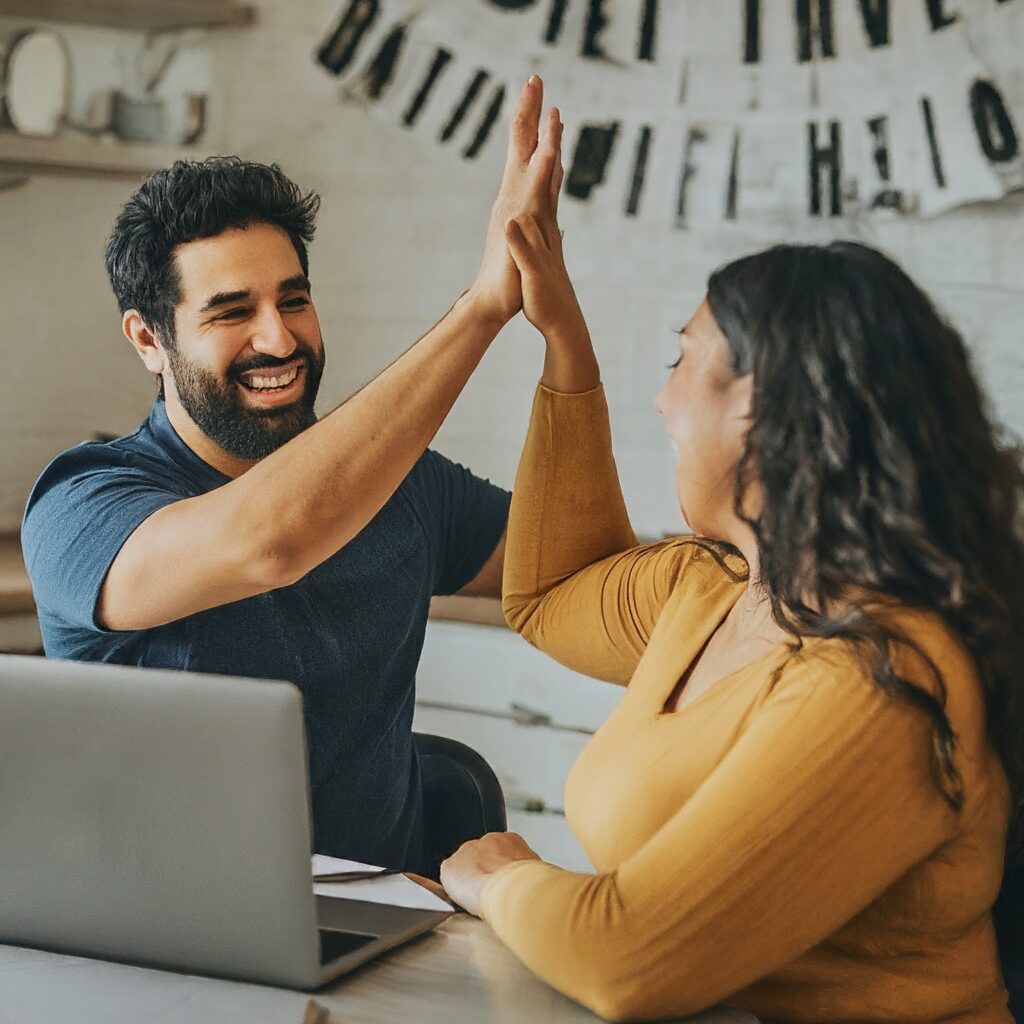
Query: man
234,533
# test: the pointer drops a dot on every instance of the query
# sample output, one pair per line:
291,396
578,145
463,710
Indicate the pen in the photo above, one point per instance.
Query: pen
355,876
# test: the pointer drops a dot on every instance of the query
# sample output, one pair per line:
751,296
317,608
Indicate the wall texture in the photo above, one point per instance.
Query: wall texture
400,237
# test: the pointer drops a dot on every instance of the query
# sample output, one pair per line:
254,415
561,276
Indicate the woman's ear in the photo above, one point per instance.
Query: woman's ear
741,397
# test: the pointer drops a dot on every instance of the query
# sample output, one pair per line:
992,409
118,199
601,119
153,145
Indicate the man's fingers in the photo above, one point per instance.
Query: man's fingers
547,146
550,141
523,130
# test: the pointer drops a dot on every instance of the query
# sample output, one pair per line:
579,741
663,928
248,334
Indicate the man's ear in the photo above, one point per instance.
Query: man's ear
144,341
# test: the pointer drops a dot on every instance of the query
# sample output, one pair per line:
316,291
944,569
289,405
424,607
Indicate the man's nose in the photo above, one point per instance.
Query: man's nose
271,336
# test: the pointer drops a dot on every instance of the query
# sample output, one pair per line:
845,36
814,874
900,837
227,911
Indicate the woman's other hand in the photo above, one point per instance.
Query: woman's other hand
466,871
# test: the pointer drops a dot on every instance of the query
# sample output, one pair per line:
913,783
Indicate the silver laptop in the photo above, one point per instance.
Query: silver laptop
162,818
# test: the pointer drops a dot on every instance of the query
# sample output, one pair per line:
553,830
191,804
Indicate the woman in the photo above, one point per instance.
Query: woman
800,807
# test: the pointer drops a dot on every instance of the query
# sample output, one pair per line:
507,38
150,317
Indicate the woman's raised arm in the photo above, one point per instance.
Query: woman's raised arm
576,584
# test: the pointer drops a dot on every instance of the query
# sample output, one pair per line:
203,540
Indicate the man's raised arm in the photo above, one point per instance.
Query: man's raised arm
298,506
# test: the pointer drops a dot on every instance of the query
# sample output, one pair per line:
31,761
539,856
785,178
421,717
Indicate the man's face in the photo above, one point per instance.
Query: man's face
248,354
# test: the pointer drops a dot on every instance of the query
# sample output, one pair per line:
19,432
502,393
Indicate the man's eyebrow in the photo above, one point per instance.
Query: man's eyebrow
225,299
290,284
295,282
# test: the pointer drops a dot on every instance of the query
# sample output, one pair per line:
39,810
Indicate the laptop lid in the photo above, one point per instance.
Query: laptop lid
157,817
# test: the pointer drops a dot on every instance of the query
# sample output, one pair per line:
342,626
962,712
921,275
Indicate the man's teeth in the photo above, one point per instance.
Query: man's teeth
274,382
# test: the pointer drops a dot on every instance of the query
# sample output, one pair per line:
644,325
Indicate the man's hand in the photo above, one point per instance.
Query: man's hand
466,871
525,189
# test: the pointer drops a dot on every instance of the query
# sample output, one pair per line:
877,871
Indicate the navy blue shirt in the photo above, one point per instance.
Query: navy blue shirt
348,634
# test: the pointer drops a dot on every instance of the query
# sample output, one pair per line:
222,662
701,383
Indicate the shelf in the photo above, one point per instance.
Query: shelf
148,15
67,155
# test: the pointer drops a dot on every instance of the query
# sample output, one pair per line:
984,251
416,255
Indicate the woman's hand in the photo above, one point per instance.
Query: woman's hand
549,299
466,871
525,189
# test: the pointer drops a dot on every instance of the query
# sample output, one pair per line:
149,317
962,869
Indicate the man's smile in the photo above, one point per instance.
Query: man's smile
274,385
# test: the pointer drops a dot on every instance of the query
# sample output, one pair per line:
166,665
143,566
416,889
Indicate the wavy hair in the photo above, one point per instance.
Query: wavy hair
881,471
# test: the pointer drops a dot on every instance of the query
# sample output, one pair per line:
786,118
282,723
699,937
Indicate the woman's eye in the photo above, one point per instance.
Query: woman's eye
233,314
672,366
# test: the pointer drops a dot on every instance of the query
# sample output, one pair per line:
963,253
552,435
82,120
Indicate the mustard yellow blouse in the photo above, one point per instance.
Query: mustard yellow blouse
779,844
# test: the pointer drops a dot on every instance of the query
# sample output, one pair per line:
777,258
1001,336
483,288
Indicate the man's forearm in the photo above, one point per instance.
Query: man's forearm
314,494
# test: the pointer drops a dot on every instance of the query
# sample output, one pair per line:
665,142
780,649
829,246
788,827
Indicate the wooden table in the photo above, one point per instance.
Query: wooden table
460,973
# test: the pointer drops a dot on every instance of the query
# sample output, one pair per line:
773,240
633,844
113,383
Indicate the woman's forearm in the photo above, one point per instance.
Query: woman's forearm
570,364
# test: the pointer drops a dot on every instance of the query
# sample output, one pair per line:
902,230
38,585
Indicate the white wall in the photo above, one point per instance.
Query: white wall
399,238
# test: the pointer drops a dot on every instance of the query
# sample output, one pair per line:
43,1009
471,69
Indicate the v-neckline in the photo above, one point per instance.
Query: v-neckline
703,638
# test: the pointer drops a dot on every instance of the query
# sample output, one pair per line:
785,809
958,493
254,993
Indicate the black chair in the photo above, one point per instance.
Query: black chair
1008,914
462,798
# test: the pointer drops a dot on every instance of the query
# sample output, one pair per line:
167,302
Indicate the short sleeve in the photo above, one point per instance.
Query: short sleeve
83,508
463,516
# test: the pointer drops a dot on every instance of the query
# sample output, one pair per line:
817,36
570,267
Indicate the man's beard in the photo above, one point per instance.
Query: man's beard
219,410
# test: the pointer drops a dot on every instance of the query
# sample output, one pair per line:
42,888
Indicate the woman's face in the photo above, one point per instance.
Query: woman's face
707,415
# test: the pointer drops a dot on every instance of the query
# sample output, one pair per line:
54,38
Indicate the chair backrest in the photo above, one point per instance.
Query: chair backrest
1008,914
462,798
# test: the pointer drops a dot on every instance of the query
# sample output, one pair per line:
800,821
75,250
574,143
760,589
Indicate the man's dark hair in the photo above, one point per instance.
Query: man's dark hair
191,200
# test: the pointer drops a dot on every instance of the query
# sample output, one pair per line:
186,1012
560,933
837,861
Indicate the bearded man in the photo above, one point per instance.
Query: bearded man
235,533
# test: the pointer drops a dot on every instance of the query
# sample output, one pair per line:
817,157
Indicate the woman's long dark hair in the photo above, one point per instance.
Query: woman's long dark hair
881,471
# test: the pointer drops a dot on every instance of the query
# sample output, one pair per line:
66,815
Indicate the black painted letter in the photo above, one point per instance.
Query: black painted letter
933,142
648,31
751,31
476,83
339,48
643,152
554,30
992,122
875,15
694,137
822,157
594,146
483,132
597,22
821,11
377,78
441,59
886,196
937,15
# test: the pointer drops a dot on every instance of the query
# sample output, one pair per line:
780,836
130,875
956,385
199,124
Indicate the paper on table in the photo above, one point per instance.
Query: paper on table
395,890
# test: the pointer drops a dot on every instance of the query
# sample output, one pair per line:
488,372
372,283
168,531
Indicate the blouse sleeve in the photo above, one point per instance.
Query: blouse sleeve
577,585
824,802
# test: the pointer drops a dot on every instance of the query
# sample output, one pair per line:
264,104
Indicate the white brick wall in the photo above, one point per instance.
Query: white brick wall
399,239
